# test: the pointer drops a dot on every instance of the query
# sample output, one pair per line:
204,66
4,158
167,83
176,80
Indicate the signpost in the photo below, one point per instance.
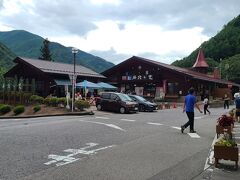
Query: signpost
73,78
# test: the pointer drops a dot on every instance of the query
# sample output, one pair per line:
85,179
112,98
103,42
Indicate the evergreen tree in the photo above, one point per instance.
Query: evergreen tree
45,51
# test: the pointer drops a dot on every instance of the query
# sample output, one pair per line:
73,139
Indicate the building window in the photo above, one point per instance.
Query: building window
172,88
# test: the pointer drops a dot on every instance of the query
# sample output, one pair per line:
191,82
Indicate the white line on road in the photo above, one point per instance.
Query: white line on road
178,128
109,125
210,159
151,123
100,117
199,117
193,135
130,120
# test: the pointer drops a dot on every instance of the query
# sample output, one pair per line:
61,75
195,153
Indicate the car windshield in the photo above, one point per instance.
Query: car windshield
124,97
140,98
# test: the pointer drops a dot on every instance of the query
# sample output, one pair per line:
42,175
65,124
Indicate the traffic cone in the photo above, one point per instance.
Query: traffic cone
174,105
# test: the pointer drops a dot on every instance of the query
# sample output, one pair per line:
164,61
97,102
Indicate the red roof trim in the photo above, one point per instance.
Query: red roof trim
200,61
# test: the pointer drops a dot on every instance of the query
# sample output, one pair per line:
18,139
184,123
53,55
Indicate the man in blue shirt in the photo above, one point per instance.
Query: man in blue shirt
189,103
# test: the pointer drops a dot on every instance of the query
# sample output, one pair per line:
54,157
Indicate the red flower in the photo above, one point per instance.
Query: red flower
225,120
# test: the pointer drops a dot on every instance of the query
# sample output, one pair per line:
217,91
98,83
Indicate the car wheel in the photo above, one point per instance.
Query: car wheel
141,108
99,107
122,110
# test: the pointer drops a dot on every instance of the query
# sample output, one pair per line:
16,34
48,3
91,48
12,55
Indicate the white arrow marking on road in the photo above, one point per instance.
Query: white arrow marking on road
158,124
178,128
193,135
100,117
130,120
109,125
63,160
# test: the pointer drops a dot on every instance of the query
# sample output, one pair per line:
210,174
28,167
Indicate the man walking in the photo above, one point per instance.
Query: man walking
188,107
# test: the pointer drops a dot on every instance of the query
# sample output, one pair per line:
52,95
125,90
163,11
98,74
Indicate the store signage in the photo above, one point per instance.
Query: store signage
137,77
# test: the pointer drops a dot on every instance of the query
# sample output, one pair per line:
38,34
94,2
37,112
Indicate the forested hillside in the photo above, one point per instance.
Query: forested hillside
26,44
222,50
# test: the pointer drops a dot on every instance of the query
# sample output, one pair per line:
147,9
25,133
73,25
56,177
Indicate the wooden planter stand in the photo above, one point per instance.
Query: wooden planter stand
226,153
221,130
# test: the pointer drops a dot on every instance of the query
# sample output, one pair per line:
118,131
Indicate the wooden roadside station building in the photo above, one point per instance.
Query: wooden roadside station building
47,77
153,79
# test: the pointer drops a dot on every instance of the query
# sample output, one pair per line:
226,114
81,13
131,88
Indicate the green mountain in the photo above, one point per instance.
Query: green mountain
26,44
222,50
6,57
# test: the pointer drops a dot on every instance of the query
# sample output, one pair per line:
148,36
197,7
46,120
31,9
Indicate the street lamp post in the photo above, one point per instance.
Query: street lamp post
74,51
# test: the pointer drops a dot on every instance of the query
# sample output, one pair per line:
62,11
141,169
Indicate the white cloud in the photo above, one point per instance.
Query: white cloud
101,2
135,39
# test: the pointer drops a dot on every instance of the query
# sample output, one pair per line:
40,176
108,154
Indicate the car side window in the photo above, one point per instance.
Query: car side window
114,97
106,95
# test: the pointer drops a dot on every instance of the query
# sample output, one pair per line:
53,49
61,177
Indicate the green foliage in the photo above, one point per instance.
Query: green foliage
36,99
53,101
36,108
225,45
45,51
81,104
61,100
19,109
5,109
46,101
26,44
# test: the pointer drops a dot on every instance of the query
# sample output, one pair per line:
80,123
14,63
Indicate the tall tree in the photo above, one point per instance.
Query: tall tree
45,51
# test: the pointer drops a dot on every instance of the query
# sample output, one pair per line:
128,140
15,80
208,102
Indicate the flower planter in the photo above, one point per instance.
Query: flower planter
221,130
226,153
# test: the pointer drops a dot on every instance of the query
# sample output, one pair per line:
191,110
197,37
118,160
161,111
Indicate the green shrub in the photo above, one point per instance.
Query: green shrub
61,100
36,99
46,101
5,109
36,108
53,101
81,104
19,109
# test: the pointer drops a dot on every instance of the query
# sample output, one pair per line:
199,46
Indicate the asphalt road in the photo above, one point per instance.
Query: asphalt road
106,146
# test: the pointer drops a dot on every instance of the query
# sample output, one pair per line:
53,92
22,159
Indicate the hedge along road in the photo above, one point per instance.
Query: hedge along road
139,151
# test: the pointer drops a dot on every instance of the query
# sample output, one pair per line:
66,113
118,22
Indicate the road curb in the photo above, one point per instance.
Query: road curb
49,115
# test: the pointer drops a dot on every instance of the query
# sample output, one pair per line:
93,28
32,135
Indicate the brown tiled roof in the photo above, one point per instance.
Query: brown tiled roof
190,73
59,68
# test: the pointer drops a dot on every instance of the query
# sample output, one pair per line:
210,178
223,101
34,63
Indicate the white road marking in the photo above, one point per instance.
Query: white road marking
130,120
199,117
101,117
178,128
109,125
151,123
193,135
63,160
210,158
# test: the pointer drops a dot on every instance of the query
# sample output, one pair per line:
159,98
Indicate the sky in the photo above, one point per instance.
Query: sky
161,30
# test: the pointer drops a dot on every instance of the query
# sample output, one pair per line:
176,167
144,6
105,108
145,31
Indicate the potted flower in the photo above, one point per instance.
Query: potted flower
226,149
225,124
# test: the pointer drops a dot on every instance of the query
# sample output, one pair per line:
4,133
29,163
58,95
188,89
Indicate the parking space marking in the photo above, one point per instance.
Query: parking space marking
193,135
109,125
130,120
101,117
158,124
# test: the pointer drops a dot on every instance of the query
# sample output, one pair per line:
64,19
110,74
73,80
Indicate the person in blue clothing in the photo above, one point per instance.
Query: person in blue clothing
189,103
237,102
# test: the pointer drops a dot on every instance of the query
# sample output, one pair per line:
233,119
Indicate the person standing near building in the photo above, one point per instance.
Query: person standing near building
206,104
226,101
189,103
